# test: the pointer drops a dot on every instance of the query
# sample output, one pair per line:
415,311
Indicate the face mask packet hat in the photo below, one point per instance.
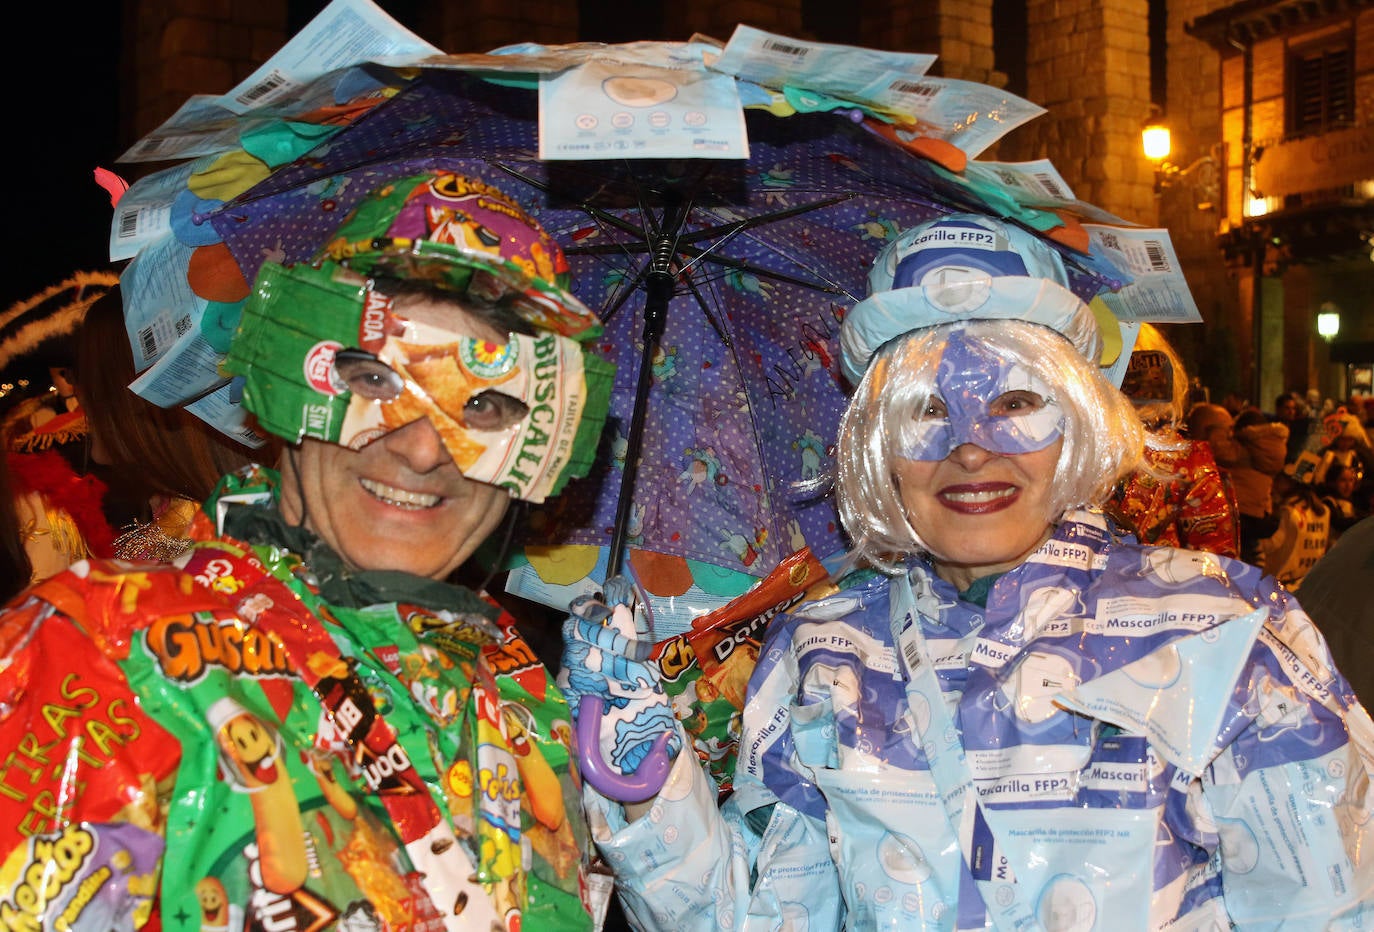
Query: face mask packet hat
299,318
962,267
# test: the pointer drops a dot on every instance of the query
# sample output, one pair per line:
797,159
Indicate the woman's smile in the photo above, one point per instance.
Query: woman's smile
979,498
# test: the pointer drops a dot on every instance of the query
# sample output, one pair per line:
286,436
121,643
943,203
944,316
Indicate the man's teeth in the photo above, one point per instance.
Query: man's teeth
400,497
990,495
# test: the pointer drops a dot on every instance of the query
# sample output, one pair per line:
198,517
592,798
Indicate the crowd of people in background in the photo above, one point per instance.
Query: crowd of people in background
1300,472
1277,487
1315,532
1328,461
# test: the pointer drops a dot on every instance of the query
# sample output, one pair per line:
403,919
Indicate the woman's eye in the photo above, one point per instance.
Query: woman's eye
1018,402
493,411
934,408
368,377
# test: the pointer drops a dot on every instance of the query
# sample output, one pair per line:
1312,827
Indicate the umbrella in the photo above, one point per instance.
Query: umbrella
721,283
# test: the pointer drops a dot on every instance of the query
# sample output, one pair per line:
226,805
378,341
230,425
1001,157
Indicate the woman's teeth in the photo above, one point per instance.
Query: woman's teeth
990,495
400,497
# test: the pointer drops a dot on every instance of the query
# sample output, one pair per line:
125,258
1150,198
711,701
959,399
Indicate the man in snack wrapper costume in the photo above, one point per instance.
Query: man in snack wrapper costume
301,725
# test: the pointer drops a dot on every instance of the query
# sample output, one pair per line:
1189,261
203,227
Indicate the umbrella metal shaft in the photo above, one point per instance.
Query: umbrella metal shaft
658,292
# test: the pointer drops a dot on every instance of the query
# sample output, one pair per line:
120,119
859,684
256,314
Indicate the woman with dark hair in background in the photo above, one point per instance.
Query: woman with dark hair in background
159,463
15,568
1339,492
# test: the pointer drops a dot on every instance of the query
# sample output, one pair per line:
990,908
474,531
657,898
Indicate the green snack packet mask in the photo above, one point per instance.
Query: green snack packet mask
325,356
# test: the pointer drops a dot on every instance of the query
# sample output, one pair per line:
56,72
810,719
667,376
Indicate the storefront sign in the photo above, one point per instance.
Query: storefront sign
1316,163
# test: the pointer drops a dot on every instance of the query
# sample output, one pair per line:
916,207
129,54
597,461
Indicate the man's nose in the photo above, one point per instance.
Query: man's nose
419,444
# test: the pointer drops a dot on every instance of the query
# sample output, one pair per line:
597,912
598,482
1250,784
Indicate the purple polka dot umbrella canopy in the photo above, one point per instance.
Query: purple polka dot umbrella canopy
720,284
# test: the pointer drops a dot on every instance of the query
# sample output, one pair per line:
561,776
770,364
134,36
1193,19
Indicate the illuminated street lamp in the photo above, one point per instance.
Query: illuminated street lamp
1328,321
1157,144
1154,138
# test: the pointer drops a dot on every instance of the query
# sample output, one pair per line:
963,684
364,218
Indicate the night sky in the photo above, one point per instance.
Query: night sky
63,122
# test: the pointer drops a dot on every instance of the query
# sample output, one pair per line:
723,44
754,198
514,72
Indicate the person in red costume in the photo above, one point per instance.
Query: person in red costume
1179,497
60,509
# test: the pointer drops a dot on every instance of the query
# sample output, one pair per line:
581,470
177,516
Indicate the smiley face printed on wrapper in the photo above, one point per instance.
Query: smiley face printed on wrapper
251,760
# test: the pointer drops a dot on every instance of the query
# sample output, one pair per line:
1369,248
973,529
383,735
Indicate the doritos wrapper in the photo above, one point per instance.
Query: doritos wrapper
706,669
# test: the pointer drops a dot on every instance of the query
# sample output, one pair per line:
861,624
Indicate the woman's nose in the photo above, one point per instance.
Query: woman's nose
419,444
970,456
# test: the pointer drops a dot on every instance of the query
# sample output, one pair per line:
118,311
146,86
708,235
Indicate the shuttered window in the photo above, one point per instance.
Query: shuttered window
1321,88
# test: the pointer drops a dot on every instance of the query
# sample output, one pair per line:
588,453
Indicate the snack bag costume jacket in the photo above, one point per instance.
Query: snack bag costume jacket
301,755
1193,506
263,737
1199,707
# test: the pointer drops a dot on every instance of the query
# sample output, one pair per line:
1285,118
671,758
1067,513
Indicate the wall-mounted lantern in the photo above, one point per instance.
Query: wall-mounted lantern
1157,143
1328,321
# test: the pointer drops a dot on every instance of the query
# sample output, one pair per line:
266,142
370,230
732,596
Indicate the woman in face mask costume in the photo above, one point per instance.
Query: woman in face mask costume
1025,720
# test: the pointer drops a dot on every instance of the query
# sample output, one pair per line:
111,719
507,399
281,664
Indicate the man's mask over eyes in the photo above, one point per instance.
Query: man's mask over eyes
371,379
984,400
479,395
325,357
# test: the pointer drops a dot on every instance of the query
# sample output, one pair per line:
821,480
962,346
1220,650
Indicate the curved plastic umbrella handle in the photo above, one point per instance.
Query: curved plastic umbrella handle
647,779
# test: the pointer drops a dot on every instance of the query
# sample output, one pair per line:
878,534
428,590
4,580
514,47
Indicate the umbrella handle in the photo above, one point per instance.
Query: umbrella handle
647,779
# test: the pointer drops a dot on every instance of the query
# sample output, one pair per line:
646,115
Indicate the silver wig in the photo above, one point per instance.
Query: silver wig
1103,435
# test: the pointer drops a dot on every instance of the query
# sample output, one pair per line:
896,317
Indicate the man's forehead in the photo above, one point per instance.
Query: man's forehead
433,318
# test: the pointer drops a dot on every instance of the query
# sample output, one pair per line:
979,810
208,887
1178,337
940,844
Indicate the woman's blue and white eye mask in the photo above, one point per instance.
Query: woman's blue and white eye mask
992,403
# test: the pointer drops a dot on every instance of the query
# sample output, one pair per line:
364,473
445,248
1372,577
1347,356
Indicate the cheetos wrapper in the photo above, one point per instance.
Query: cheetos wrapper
83,783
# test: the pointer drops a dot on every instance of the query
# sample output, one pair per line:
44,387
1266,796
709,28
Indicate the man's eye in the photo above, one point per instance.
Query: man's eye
491,410
368,377
934,408
1018,402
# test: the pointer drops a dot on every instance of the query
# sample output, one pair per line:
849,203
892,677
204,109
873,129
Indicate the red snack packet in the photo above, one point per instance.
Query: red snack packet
80,784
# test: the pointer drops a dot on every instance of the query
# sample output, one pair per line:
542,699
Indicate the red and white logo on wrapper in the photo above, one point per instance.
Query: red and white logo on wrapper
319,368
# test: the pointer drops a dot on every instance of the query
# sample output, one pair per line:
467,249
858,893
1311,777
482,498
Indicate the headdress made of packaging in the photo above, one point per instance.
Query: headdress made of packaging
467,236
964,267
34,335
459,235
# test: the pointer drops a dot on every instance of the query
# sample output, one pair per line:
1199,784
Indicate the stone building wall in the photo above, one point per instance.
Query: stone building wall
1088,61
958,31
1088,64
176,48
1195,206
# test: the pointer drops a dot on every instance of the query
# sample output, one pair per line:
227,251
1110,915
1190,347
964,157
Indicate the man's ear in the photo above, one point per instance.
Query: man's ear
292,495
